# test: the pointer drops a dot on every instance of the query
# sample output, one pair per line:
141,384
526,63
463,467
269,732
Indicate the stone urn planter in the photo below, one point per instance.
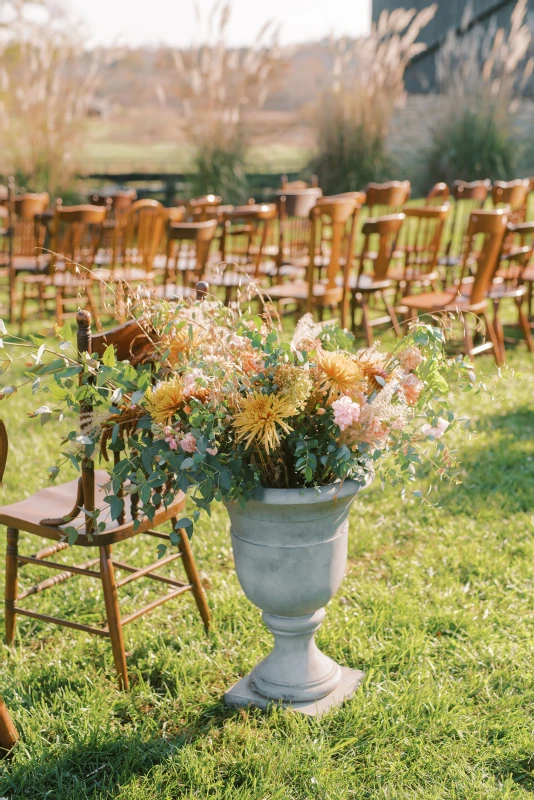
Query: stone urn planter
290,551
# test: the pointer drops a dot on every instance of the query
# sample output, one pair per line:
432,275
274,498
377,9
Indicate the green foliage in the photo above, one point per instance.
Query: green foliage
472,144
349,156
222,172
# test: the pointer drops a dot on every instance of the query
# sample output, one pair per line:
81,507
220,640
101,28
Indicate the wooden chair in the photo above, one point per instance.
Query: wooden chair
438,195
387,198
118,201
199,209
294,231
513,194
468,197
339,217
510,281
470,295
188,247
419,243
75,240
8,733
371,280
246,231
135,245
48,511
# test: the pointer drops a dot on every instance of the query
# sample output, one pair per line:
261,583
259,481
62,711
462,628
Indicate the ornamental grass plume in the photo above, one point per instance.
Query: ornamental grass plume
256,423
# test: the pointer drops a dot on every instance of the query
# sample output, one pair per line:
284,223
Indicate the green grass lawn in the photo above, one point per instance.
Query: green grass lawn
437,608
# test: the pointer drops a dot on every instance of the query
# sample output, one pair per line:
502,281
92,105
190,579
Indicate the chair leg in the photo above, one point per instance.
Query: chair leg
11,589
22,316
468,338
523,322
59,307
499,332
393,316
193,577
499,357
107,575
367,328
8,732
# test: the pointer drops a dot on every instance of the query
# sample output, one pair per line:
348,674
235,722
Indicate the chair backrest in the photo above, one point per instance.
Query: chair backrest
294,208
76,234
188,247
513,194
517,251
476,191
387,197
380,235
438,195
245,233
28,233
483,242
143,230
205,207
26,206
468,197
339,217
421,237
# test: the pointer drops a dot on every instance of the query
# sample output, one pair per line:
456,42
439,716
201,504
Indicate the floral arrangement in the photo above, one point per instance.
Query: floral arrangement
220,404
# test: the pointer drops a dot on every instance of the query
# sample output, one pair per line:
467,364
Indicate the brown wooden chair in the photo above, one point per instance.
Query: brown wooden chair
75,239
199,209
470,295
8,733
387,198
324,286
513,194
188,247
438,195
511,278
370,280
467,198
291,251
46,513
420,244
118,201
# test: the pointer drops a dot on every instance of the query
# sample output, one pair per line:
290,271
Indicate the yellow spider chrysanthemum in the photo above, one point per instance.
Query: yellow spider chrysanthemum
165,400
183,342
338,374
259,416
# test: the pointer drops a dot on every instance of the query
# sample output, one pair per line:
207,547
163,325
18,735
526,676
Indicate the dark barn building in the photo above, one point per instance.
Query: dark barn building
421,75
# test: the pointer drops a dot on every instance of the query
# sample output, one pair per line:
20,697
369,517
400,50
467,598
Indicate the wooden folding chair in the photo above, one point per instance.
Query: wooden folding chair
469,296
47,512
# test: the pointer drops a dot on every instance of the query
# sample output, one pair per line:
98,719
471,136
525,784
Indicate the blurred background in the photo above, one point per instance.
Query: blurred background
182,98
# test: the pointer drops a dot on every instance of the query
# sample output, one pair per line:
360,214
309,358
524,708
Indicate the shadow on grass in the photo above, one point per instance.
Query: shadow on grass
499,474
104,763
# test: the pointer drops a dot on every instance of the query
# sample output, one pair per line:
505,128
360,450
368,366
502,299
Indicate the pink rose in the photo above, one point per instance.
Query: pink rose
346,412
188,443
410,359
172,444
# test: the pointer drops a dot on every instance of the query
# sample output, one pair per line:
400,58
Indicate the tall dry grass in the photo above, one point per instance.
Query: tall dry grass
365,85
48,83
220,88
481,74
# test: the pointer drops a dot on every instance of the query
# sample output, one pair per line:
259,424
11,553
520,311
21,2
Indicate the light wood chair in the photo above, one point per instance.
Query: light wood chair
513,194
119,201
199,209
468,197
383,199
76,235
419,244
370,280
288,186
324,286
188,247
47,512
294,230
469,297
511,279
8,733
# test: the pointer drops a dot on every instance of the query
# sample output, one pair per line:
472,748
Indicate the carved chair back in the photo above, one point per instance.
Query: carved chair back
483,241
246,230
380,236
421,237
202,208
137,242
387,198
188,247
438,195
76,234
28,232
294,208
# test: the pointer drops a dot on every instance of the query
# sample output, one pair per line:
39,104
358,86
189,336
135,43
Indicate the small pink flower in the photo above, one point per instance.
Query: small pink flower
437,431
172,443
410,359
410,389
375,432
212,451
167,430
346,412
398,424
188,443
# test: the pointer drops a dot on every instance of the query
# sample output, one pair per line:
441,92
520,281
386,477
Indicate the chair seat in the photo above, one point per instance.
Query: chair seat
60,280
58,500
173,292
31,263
126,274
411,275
367,283
299,290
439,301
229,278
500,291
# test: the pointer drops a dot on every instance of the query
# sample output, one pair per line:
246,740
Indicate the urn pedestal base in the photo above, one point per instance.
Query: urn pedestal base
244,694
